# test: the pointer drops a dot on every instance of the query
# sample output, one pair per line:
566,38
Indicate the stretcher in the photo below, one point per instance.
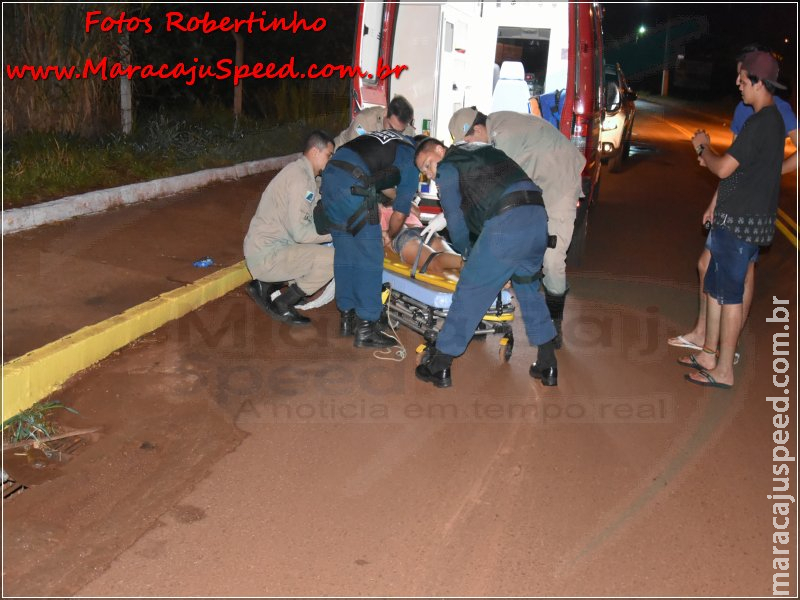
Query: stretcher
420,301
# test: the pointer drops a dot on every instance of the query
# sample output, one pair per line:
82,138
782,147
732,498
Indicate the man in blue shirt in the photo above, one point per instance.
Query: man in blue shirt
694,339
496,217
368,164
743,217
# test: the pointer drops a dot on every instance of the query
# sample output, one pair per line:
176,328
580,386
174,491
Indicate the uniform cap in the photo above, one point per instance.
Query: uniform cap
461,122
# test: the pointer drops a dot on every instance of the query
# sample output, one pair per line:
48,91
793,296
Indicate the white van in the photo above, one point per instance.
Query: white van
453,51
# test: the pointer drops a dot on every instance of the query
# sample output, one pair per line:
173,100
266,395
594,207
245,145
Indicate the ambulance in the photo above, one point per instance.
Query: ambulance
492,55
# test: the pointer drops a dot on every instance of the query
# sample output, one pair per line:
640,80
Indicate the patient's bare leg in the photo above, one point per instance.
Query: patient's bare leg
437,266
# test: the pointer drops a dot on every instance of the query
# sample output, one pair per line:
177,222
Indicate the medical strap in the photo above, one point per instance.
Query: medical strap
426,264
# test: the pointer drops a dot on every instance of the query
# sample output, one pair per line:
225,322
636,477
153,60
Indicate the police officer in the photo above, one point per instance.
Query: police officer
494,214
360,169
554,164
282,244
398,116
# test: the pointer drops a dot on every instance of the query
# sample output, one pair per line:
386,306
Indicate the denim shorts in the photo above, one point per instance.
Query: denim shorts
727,269
755,256
406,235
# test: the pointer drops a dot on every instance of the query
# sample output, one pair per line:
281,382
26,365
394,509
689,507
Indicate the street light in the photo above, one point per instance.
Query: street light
639,32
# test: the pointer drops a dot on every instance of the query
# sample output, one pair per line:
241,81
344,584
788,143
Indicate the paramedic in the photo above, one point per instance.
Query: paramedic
398,116
496,217
282,243
372,162
554,164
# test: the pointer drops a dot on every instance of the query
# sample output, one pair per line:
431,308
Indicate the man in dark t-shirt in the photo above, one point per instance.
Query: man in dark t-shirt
744,216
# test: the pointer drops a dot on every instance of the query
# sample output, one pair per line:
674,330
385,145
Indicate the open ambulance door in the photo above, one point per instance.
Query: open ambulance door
375,29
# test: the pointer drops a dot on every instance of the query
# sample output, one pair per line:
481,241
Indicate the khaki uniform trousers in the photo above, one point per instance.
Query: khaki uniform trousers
310,266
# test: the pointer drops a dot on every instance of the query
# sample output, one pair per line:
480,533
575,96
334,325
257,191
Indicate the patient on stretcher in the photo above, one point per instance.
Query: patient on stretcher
435,258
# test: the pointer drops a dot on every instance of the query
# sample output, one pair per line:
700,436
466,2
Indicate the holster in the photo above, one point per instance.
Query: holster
370,189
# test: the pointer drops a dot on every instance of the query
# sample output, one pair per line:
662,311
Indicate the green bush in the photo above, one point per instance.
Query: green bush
38,167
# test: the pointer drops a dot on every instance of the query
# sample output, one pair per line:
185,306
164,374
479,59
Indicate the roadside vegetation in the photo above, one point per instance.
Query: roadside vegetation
33,424
64,137
44,166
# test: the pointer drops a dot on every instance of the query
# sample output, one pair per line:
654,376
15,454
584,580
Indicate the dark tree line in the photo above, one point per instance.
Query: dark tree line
54,34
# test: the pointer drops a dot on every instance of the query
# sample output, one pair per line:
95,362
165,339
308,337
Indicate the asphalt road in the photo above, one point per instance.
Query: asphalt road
242,457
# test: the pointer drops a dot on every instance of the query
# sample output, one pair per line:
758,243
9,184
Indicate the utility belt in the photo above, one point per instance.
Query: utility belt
519,198
370,189
525,198
513,200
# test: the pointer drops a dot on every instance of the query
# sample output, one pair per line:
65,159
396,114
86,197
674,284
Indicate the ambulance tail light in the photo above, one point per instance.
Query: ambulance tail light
580,131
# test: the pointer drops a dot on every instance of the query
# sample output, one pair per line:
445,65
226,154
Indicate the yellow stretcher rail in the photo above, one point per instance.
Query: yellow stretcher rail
391,262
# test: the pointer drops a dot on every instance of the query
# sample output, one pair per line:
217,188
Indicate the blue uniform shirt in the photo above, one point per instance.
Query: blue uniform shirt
450,200
745,111
339,212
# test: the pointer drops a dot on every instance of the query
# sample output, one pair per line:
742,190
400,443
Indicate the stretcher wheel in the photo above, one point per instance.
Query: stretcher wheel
506,348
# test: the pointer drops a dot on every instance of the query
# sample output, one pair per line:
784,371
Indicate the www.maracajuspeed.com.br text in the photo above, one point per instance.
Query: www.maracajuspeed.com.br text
192,73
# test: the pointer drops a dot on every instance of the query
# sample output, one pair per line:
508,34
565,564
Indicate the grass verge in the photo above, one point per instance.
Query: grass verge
41,167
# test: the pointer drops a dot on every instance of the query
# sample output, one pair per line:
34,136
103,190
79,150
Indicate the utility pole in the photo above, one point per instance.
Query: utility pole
665,66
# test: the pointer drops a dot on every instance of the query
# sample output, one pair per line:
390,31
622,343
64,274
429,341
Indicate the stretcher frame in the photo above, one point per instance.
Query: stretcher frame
420,302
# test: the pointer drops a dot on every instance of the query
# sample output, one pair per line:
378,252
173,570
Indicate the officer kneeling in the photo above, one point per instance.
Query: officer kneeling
495,216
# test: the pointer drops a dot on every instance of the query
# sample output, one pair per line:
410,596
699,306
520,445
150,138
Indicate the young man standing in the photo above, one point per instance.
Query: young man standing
744,216
694,338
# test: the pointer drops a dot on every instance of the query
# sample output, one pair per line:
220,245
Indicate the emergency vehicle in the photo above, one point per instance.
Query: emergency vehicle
453,51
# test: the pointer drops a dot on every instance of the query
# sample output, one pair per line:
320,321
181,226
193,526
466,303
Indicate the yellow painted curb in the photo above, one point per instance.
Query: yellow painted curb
39,373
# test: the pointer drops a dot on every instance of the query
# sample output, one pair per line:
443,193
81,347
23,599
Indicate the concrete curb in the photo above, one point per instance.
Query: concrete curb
37,374
28,217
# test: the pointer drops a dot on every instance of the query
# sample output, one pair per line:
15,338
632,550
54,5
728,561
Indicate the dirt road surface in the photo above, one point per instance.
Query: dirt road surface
237,456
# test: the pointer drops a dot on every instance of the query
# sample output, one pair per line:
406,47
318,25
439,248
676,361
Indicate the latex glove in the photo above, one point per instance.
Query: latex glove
437,223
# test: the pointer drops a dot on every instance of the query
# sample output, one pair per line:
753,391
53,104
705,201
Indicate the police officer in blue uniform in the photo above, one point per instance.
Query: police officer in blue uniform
358,170
495,215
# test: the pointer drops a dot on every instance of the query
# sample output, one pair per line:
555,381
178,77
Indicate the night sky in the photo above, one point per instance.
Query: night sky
729,27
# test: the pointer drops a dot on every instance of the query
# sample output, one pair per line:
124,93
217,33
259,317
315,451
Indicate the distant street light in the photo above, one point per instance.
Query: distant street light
639,32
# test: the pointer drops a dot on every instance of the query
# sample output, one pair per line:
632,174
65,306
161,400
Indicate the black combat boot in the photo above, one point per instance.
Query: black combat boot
546,367
555,304
369,334
261,292
347,322
435,368
282,308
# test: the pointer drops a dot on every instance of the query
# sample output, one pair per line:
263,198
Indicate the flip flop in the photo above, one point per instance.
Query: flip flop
709,381
692,363
682,342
